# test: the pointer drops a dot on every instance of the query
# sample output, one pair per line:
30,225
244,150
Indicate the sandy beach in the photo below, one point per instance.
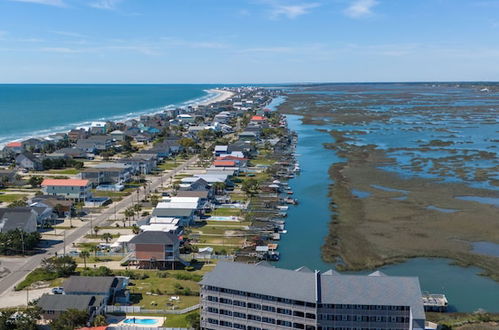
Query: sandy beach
223,95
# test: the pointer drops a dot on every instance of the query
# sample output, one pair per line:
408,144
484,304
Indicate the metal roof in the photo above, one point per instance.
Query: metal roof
335,289
90,284
63,302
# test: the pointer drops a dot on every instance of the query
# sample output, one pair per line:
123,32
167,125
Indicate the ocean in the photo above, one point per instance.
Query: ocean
37,109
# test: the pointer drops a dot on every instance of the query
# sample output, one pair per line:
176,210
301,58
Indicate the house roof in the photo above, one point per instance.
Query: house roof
257,118
14,218
171,212
63,302
193,193
154,237
90,284
65,182
302,285
14,144
224,163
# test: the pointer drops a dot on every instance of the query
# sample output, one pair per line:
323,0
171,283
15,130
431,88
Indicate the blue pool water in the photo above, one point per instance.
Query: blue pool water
140,321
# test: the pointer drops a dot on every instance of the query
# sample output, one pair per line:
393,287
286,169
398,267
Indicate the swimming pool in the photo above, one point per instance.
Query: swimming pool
140,321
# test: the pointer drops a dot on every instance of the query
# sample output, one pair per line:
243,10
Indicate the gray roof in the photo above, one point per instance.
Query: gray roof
172,213
63,302
14,217
335,289
90,284
192,193
154,237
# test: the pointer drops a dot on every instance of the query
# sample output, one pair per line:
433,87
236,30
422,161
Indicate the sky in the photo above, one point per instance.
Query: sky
248,41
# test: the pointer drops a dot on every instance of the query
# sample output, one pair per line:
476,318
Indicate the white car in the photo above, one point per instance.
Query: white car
58,290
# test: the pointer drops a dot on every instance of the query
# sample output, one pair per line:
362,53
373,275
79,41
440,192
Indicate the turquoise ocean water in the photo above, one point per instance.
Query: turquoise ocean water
37,110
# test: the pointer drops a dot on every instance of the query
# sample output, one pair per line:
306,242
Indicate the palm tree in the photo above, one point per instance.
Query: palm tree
94,249
84,254
135,229
219,187
129,212
107,237
96,230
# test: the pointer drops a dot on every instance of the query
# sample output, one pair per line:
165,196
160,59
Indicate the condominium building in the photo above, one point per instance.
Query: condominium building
74,189
260,296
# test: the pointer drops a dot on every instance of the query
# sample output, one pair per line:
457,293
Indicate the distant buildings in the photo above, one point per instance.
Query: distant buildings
257,297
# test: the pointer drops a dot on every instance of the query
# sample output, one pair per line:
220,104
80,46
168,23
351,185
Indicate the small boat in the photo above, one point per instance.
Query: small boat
289,192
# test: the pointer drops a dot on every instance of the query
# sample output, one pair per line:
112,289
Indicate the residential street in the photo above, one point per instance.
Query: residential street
33,262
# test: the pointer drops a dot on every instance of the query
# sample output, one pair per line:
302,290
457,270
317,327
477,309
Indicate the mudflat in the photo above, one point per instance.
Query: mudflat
398,197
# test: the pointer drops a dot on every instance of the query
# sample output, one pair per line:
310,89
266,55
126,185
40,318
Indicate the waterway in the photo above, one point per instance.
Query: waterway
307,226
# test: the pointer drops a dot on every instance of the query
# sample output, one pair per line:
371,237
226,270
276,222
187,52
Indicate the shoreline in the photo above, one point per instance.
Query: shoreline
205,100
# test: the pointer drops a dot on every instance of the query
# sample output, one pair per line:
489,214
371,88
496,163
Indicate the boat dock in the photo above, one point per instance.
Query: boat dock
434,302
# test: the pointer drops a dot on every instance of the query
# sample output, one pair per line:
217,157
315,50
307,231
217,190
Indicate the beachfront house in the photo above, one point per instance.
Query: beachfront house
12,148
28,161
74,189
155,249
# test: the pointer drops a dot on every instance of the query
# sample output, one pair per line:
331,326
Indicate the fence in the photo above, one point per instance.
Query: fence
138,309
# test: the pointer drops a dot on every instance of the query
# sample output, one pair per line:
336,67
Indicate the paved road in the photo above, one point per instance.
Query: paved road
34,261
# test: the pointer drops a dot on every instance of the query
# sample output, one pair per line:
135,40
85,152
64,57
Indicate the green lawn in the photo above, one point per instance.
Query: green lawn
166,166
67,171
226,212
142,290
9,198
178,321
98,193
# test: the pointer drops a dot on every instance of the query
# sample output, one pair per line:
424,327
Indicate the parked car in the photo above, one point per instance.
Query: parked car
58,290
73,253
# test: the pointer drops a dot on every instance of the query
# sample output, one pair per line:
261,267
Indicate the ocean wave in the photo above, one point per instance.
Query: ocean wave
4,139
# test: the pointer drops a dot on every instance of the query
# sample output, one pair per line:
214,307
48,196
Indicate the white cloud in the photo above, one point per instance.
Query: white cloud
69,34
288,8
292,11
174,42
105,4
63,50
55,3
360,8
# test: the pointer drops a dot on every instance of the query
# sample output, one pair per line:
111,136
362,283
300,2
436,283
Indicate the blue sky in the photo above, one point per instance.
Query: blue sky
247,41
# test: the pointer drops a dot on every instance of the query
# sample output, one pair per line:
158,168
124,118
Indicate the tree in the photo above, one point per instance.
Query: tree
154,200
219,187
35,181
100,320
193,320
135,229
17,241
70,319
17,320
250,187
94,249
129,212
107,237
84,254
187,143
96,230
62,266
19,203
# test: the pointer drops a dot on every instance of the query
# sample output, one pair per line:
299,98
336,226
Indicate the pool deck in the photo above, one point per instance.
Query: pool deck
158,324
